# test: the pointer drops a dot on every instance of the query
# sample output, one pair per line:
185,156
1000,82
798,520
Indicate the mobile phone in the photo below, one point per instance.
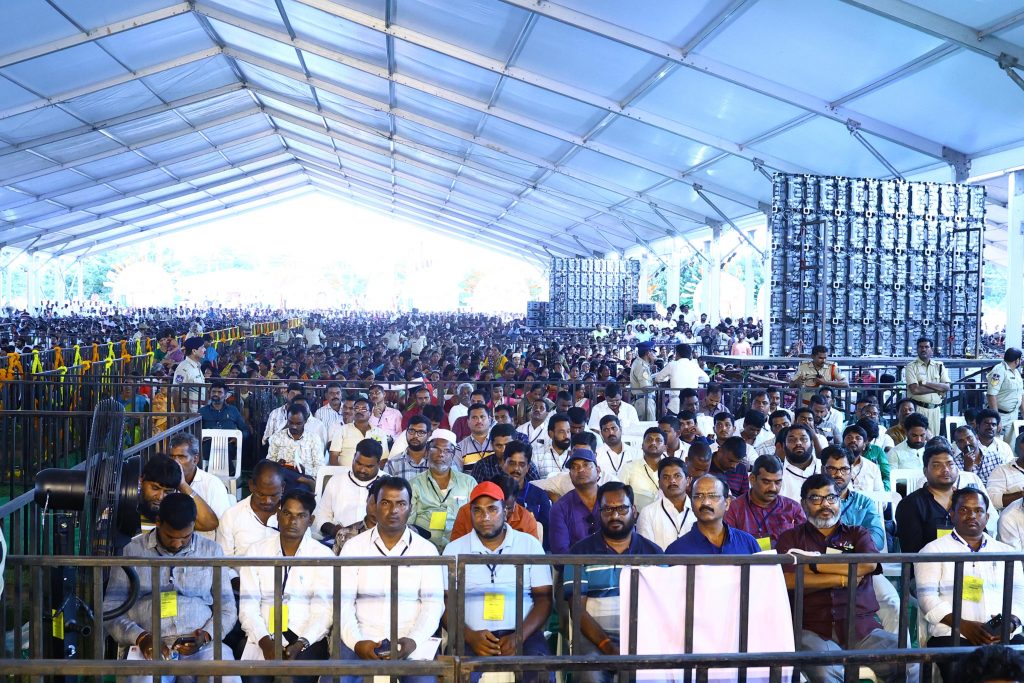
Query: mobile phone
185,640
384,650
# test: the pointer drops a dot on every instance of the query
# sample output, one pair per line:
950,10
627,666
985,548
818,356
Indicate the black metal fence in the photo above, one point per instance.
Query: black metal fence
27,614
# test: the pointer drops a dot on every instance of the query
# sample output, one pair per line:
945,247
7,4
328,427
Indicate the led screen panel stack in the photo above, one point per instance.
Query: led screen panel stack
585,292
867,266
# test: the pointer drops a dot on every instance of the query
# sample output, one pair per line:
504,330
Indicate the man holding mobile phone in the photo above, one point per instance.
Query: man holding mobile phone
184,593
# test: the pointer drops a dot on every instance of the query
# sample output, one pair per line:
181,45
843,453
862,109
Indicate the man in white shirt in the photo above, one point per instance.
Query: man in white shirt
366,591
642,473
613,405
490,590
313,335
670,515
331,414
983,587
254,518
777,421
304,614
691,403
345,438
278,417
1011,524
549,460
612,455
800,461
1006,483
683,372
297,448
759,403
343,501
907,455
536,429
184,450
864,474
393,339
464,395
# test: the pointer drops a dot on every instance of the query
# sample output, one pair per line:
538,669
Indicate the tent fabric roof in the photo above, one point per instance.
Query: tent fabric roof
539,128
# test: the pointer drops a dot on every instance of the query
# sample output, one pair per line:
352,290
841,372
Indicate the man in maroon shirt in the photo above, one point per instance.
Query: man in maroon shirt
825,589
761,511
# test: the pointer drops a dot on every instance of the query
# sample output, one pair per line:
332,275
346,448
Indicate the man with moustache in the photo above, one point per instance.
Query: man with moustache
413,460
990,437
500,437
613,456
728,463
550,459
599,620
777,421
982,595
907,455
865,475
531,498
925,514
642,473
438,493
365,609
490,590
219,415
761,511
800,462
825,589
710,499
674,446
972,456
298,449
574,515
331,414
343,501
670,516
208,491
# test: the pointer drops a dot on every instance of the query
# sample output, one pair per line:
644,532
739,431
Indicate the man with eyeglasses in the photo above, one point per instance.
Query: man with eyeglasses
438,493
413,460
983,586
599,621
826,593
710,498
856,509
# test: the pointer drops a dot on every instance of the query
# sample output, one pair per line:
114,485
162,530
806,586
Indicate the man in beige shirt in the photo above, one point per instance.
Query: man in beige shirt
927,383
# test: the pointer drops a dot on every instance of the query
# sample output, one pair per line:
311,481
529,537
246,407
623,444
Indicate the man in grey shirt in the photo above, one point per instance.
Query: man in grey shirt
185,594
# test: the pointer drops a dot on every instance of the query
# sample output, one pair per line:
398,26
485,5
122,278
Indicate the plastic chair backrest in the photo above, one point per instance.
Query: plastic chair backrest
952,422
323,475
219,463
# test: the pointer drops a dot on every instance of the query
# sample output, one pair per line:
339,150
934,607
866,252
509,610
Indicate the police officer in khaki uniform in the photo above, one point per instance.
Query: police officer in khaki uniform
927,382
1005,388
190,372
816,373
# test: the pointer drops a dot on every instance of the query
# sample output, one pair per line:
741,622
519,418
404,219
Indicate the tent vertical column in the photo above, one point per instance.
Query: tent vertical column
672,276
765,308
644,296
713,292
1015,259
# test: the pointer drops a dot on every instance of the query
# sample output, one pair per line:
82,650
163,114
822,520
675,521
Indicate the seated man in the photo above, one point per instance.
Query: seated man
599,620
343,500
162,476
710,499
366,591
670,516
297,449
907,454
516,516
983,588
438,493
762,512
306,591
825,589
490,590
185,593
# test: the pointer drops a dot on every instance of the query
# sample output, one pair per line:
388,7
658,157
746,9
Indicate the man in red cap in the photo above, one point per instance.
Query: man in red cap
490,590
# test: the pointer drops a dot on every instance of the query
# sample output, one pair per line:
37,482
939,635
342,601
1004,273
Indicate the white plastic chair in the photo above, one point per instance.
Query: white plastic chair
909,477
219,463
323,475
951,422
639,429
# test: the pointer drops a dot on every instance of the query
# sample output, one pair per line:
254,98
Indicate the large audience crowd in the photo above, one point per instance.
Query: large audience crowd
419,435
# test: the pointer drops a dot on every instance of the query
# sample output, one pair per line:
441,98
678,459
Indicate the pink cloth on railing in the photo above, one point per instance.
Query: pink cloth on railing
661,607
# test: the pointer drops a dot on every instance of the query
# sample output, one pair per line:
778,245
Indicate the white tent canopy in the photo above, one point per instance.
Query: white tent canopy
576,127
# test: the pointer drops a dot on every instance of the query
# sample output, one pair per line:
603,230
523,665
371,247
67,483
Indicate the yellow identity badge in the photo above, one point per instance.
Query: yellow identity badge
973,586
168,604
58,624
940,533
438,520
494,606
765,543
272,624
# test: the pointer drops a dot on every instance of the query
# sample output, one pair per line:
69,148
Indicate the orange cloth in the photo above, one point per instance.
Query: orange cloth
521,519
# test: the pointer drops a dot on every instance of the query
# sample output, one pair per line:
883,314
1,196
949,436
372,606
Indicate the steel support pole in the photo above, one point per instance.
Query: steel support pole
713,292
672,276
1015,259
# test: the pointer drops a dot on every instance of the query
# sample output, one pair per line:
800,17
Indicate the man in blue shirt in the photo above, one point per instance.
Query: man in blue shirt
599,621
219,415
710,498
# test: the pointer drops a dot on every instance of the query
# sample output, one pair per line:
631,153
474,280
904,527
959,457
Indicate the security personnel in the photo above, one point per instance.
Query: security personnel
640,379
816,373
190,372
1005,388
927,382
